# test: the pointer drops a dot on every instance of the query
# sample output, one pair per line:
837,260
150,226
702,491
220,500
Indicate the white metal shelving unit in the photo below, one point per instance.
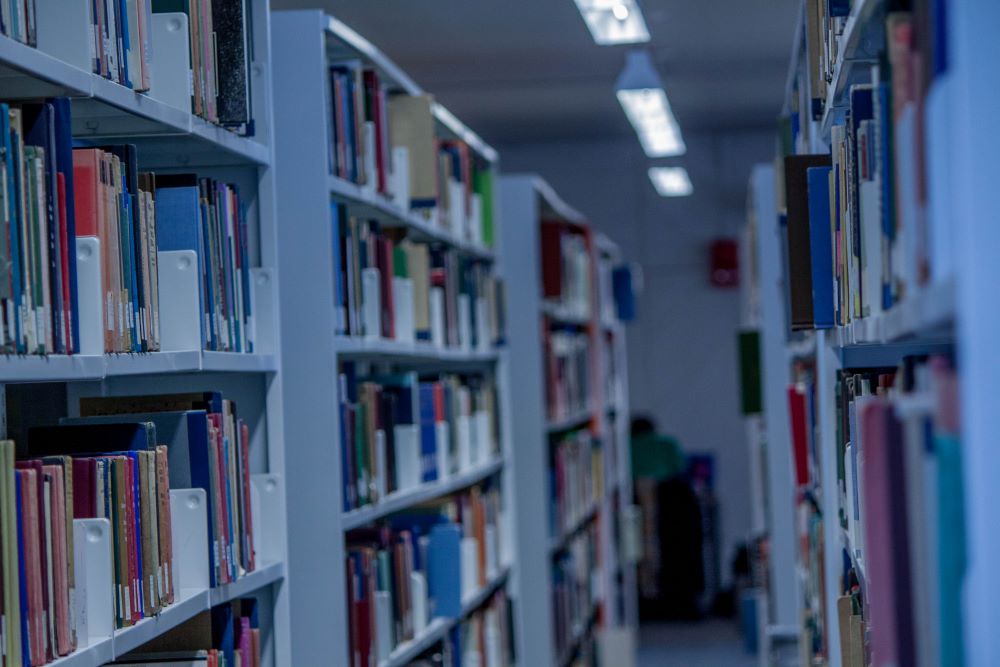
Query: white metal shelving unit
526,200
946,314
306,43
168,138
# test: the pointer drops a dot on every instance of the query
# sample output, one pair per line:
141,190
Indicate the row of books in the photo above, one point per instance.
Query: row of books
575,590
825,23
439,178
149,45
417,567
53,194
227,635
17,20
567,372
483,639
577,479
902,512
403,430
567,269
863,231
388,286
40,604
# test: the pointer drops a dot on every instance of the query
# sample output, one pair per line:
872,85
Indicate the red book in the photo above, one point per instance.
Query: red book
60,564
800,435
32,555
221,501
84,500
249,556
131,539
886,537
87,190
552,260
40,554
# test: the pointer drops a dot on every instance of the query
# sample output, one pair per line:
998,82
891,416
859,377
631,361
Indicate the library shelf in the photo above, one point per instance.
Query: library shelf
927,313
439,628
103,109
91,367
374,206
191,603
858,48
401,500
562,540
358,347
578,419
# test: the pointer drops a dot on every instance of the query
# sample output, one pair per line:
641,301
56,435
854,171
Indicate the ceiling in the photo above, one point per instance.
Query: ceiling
522,71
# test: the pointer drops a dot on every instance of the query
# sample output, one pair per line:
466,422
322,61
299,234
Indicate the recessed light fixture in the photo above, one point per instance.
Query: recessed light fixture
614,21
640,92
671,181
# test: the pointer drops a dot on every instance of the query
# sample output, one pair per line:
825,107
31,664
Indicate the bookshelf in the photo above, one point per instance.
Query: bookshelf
323,348
40,389
897,382
585,536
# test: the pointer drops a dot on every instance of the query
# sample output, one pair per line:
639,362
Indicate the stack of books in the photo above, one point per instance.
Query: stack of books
567,372
390,287
55,194
208,446
567,270
577,479
864,229
400,431
902,513
417,567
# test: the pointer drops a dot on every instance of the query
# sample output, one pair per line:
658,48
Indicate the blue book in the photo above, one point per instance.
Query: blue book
887,179
64,163
39,130
223,632
13,269
178,226
444,574
428,434
624,294
839,8
821,246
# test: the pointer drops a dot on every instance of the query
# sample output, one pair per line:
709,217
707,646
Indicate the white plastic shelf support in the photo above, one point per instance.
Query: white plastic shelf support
180,302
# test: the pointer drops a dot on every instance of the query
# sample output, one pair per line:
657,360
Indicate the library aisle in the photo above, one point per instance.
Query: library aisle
534,333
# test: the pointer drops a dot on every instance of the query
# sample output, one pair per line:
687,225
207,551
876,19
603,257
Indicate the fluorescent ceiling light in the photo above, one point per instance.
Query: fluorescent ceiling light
671,181
640,92
614,21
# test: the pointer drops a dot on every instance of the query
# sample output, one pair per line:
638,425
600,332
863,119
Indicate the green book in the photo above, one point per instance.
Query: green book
750,382
482,185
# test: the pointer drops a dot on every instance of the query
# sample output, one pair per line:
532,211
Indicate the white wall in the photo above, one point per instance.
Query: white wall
682,347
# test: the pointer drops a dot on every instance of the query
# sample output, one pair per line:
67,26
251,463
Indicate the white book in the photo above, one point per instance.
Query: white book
482,325
443,450
371,303
484,435
418,601
463,434
437,316
493,640
871,248
456,209
383,625
400,178
492,550
406,443
402,304
469,567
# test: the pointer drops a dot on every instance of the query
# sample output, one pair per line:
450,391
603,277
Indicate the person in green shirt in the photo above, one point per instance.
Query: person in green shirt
655,457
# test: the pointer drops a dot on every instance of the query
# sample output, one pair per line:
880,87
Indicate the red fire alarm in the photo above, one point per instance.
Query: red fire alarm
725,263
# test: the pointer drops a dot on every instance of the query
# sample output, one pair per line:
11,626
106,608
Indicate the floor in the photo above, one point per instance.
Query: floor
712,643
